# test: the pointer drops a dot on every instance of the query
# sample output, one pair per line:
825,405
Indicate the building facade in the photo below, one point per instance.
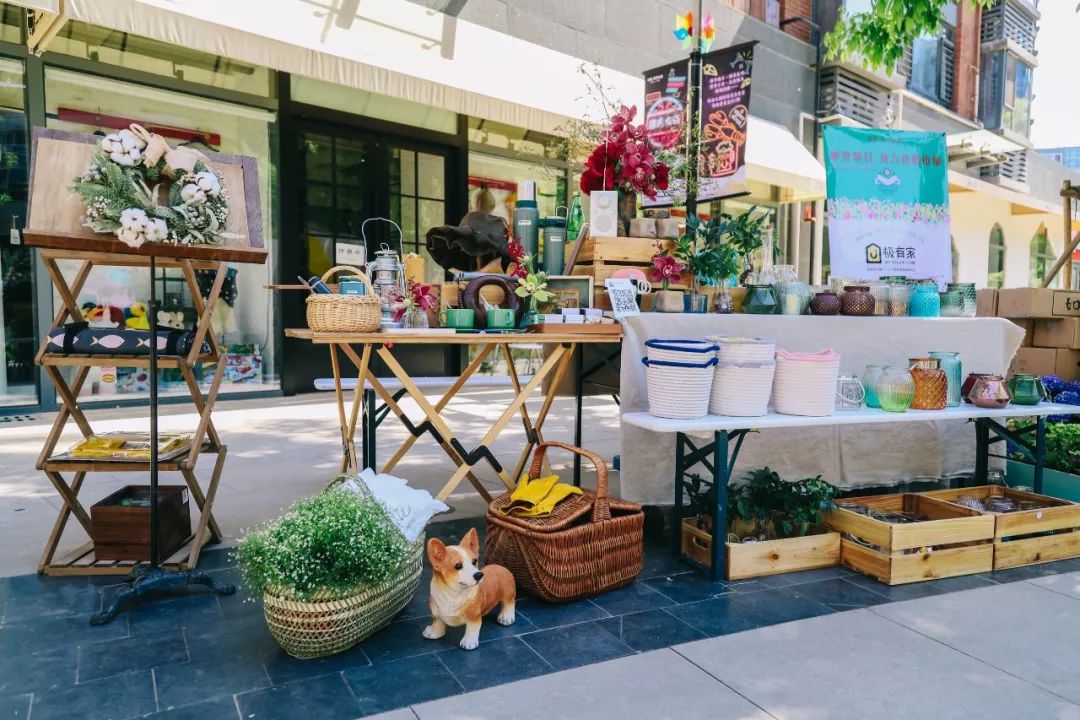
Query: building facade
408,110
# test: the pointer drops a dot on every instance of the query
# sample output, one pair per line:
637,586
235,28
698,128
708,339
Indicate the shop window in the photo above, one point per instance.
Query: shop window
17,331
125,50
995,270
90,104
419,194
495,178
368,104
1006,92
12,19
1041,258
514,139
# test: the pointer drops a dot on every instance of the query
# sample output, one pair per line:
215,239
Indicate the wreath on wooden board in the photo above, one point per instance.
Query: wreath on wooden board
141,190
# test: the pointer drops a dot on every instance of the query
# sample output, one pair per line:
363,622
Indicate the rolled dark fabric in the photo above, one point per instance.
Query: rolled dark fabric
81,339
481,238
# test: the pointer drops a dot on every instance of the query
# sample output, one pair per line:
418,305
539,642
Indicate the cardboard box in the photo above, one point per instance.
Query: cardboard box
987,304
1025,303
1067,303
1048,361
1057,333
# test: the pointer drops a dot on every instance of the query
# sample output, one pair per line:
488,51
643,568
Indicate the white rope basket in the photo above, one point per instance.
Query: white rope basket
742,389
748,350
805,383
679,377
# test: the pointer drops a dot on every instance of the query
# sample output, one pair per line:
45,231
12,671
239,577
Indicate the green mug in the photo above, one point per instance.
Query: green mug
457,318
500,319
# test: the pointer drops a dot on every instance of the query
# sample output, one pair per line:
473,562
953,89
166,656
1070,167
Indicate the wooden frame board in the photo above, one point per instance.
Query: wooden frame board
53,210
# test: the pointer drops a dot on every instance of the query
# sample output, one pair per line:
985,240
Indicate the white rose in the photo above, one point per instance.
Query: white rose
131,236
191,194
130,140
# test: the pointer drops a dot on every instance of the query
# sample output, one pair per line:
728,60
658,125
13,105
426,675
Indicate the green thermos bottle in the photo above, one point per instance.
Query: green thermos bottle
554,242
527,219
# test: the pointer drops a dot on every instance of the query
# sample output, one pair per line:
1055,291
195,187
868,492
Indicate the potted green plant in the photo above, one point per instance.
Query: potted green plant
332,570
774,525
665,269
1061,474
744,233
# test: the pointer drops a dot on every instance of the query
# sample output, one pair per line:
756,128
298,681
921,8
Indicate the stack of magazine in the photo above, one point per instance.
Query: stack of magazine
127,447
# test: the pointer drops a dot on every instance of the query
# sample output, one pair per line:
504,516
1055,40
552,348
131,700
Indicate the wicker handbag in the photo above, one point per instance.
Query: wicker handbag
590,544
344,313
332,624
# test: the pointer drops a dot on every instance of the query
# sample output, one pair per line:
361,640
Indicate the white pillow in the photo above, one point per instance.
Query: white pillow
409,508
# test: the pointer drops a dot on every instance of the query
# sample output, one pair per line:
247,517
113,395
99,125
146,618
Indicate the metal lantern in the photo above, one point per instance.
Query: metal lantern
387,274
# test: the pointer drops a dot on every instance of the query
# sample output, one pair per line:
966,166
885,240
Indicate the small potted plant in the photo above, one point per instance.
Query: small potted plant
332,570
710,260
412,308
774,525
532,286
665,269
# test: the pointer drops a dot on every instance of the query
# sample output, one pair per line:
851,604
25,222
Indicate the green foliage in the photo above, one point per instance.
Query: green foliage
330,543
1062,445
778,507
879,38
711,250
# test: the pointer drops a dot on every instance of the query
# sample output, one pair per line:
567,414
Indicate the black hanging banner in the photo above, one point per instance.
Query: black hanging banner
725,121
666,90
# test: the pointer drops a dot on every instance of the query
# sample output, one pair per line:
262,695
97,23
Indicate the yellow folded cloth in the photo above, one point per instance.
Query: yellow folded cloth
536,498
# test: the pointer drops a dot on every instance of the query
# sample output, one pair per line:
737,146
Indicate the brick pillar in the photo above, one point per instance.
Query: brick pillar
966,74
797,8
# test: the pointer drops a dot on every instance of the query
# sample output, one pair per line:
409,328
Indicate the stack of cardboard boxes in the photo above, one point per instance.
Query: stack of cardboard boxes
1051,321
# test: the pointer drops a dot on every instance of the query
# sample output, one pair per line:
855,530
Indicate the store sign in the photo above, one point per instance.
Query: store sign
665,121
725,120
888,203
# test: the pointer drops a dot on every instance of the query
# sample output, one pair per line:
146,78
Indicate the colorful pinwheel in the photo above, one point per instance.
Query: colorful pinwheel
708,33
684,29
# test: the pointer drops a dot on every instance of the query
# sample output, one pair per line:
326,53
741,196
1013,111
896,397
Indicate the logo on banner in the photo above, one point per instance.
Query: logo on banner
873,254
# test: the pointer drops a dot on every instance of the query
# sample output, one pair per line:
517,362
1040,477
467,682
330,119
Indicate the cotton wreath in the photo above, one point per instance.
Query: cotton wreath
140,190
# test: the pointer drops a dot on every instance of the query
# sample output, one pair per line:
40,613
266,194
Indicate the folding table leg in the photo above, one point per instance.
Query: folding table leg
982,451
677,518
721,475
349,432
541,417
347,460
367,428
1040,453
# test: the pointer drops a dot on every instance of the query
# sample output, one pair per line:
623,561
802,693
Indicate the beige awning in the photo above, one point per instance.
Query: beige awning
774,156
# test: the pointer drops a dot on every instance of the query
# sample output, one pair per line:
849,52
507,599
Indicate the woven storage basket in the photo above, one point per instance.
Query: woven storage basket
679,377
344,313
805,383
569,554
744,349
329,625
742,389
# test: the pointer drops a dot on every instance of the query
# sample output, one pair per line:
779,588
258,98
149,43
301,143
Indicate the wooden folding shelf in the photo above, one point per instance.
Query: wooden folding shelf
1026,537
66,475
953,540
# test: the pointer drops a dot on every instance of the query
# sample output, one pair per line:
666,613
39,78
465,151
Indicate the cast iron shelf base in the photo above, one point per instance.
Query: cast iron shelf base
145,580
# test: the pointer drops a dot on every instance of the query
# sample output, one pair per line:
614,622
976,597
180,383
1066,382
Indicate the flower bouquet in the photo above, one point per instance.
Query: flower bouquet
414,305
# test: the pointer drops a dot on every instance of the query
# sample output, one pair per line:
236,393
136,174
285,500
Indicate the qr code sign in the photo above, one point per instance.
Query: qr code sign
623,296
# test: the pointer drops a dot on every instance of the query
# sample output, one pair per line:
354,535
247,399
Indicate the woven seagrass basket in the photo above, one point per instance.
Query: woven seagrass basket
344,313
332,624
590,544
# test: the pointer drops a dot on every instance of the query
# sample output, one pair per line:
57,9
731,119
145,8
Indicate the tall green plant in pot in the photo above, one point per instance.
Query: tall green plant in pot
745,234
332,570
710,261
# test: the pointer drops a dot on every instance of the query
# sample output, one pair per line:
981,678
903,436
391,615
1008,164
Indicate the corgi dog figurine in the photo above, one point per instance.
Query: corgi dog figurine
461,594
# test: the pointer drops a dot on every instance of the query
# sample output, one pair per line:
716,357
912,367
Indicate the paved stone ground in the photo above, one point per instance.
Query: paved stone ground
816,645
280,449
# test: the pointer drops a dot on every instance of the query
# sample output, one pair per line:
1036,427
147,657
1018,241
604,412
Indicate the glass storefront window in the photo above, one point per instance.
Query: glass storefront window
17,330
90,104
500,176
507,137
12,19
125,50
361,102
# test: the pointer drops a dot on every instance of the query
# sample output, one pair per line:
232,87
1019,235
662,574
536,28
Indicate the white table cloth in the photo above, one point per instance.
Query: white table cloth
851,456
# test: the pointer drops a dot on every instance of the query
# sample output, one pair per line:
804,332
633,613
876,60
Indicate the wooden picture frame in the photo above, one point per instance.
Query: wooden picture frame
578,288
53,210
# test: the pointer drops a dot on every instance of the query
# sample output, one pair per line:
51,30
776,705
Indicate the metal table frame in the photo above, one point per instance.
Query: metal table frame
718,454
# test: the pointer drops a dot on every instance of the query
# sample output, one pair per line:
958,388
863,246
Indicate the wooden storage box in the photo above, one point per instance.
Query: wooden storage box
954,540
1026,537
748,560
122,531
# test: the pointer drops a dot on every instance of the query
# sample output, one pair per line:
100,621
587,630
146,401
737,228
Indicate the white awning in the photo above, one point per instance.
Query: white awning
403,50
50,6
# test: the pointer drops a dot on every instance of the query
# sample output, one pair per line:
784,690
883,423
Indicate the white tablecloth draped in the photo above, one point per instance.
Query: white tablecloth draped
849,456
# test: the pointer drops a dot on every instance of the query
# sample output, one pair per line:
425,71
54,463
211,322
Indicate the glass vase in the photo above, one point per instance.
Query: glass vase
899,299
931,388
895,389
415,319
760,300
1026,389
925,301
952,303
870,380
857,301
723,302
950,363
531,316
969,297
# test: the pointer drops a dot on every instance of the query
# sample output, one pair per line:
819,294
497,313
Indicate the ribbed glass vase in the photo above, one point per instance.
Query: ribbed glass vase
895,389
950,363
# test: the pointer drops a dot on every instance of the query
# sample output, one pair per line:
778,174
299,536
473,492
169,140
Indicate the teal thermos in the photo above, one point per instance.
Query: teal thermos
527,219
554,242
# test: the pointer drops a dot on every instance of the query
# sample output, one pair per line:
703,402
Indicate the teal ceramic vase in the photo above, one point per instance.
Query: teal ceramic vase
950,363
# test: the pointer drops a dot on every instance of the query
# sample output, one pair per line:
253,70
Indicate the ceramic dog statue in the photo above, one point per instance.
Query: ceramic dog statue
461,594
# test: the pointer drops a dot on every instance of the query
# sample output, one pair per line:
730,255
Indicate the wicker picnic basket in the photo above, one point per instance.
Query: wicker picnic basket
344,313
335,623
590,544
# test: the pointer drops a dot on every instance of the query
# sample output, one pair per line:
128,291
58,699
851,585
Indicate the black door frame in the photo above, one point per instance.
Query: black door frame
298,118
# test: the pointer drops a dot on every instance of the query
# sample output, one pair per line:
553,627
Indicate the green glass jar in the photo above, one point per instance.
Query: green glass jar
969,297
1026,389
952,303
870,379
760,300
895,389
950,363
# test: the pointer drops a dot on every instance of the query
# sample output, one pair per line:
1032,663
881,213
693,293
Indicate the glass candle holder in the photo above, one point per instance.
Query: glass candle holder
760,300
857,300
825,303
931,388
925,301
952,303
870,379
895,389
899,299
969,297
950,363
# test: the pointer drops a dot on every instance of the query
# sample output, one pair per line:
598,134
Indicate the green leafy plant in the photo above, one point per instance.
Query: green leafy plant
705,250
326,545
778,508
1062,445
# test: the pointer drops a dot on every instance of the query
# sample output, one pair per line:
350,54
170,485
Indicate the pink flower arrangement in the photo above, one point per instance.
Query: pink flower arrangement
623,161
519,267
419,297
665,269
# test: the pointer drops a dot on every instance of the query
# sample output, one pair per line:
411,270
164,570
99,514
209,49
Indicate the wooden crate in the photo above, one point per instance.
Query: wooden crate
749,560
122,532
1026,537
620,250
954,540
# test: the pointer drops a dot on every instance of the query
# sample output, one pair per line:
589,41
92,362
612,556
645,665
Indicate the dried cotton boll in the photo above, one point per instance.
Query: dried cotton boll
131,236
130,141
134,218
156,230
191,194
208,183
112,143
122,158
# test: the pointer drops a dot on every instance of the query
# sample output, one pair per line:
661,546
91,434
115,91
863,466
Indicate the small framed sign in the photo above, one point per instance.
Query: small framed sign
623,294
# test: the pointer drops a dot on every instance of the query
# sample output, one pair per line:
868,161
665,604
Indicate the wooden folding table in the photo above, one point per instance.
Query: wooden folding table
554,366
